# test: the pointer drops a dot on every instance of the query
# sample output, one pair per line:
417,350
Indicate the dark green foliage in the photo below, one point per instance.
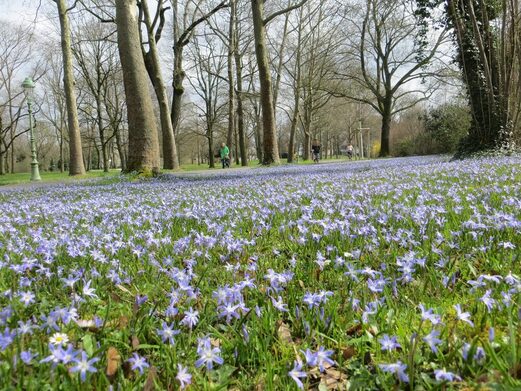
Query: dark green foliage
447,125
482,66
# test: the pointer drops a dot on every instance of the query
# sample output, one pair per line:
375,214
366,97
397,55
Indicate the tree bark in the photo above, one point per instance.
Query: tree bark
386,127
238,74
270,142
178,89
296,94
153,65
2,161
231,84
76,166
143,149
121,151
211,158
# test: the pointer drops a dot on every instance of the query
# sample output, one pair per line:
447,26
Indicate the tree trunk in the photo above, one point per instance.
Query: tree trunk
2,161
121,151
231,84
76,166
153,65
178,89
143,148
280,63
62,157
211,158
240,109
386,128
270,144
296,94
307,145
236,145
258,134
11,168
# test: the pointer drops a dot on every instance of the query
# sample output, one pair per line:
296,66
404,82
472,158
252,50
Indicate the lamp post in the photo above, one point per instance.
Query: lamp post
28,86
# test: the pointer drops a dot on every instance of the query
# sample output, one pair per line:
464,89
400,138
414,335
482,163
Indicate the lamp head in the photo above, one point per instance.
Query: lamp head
28,86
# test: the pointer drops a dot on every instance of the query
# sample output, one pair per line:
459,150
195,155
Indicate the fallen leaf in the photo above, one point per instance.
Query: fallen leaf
122,322
135,342
283,332
152,376
122,288
115,297
334,379
356,329
348,352
113,362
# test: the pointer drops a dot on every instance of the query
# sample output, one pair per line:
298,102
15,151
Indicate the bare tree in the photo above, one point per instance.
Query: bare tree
154,28
143,150
209,64
382,41
76,166
270,142
96,58
54,109
184,25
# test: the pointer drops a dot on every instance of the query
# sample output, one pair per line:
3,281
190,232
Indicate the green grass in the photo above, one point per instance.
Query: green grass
255,163
56,176
25,177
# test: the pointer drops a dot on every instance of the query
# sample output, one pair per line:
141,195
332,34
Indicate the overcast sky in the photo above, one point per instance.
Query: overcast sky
25,12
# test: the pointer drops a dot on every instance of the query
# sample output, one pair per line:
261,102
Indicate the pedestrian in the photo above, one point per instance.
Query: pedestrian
350,151
315,149
224,152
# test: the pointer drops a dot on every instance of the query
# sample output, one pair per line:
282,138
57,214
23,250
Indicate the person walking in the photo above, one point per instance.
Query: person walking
224,152
315,149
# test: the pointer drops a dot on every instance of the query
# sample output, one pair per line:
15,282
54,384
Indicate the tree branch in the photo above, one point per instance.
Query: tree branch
183,39
283,11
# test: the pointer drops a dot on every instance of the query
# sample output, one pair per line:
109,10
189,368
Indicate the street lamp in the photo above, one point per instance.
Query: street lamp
28,86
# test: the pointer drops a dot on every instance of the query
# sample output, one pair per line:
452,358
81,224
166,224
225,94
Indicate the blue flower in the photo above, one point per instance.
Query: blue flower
389,343
311,358
84,365
138,363
323,357
432,340
463,316
398,369
296,374
167,333
27,356
208,355
443,375
190,318
183,376
430,315
6,338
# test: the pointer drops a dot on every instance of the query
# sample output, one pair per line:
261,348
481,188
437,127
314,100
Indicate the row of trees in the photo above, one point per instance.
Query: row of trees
149,80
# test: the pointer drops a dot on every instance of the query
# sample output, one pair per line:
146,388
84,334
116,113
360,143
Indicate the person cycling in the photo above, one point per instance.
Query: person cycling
315,149
350,151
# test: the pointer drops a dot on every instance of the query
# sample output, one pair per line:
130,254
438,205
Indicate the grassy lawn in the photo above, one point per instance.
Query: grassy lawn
255,163
25,177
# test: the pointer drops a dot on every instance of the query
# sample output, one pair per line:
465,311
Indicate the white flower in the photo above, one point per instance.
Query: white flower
59,339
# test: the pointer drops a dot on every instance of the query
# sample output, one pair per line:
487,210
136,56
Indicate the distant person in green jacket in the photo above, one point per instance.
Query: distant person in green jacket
225,155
